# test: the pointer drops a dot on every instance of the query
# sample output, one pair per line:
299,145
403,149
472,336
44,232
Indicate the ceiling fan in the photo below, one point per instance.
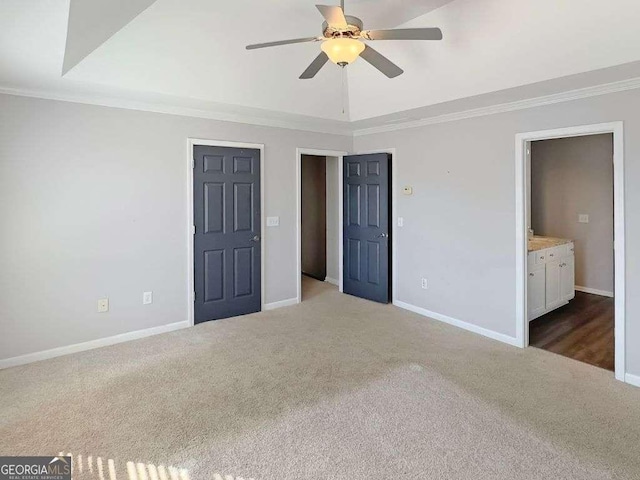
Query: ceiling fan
342,43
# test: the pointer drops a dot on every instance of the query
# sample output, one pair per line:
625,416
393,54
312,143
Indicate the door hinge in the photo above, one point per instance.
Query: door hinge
193,163
194,296
193,229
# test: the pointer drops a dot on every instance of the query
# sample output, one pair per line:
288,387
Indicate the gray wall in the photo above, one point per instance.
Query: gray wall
333,219
572,176
460,222
314,216
93,202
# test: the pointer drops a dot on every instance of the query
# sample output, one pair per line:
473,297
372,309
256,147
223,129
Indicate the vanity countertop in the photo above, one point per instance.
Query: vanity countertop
540,243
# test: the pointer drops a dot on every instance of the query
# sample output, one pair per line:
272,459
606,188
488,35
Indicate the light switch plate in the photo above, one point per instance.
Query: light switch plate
583,218
147,298
103,305
273,221
400,221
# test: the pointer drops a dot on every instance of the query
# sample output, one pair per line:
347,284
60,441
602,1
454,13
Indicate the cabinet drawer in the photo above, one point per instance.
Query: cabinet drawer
551,254
555,253
541,256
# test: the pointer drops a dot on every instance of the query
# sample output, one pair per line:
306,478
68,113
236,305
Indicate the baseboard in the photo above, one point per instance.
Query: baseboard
280,304
632,379
332,281
594,291
459,323
90,345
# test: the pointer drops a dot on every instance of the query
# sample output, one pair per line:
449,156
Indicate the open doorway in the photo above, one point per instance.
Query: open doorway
570,249
319,225
531,290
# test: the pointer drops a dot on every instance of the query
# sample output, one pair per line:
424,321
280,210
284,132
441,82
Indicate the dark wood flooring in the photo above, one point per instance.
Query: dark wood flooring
582,330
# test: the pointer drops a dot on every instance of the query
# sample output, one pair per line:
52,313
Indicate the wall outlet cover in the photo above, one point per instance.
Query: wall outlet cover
103,305
147,298
407,190
583,218
273,221
401,221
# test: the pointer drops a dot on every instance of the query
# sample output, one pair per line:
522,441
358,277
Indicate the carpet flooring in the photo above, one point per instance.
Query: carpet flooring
334,388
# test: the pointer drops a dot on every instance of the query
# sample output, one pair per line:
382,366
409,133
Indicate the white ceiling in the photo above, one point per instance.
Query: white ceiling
191,52
492,45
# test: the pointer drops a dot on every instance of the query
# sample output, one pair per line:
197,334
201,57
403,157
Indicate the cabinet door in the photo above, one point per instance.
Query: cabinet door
553,297
567,278
535,291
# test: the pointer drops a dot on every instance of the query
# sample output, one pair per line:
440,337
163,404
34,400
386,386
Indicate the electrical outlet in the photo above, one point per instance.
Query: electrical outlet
103,305
147,298
583,218
273,221
400,221
424,284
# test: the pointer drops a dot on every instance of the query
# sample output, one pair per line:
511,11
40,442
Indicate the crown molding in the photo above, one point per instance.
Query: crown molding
594,91
295,122
318,125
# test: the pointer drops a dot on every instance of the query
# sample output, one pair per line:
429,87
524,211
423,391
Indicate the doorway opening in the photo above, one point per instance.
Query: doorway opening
315,161
319,223
570,245
365,227
570,254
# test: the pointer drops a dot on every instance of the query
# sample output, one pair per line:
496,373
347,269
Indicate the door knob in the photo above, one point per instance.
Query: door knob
383,235
256,238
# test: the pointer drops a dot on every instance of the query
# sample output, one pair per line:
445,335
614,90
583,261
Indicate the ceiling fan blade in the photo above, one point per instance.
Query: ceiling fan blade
381,62
333,15
404,34
315,66
282,42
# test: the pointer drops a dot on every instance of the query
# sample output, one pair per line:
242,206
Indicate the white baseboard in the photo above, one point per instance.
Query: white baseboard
632,379
90,345
459,323
594,291
332,281
280,304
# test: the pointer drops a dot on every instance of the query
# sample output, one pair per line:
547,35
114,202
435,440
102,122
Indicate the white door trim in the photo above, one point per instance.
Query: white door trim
319,153
522,142
191,142
394,217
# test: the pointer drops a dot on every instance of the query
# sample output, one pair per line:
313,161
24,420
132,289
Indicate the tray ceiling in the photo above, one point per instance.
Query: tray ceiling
192,51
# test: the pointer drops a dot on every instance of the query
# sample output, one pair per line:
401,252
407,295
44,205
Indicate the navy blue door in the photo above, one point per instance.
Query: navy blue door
366,240
226,189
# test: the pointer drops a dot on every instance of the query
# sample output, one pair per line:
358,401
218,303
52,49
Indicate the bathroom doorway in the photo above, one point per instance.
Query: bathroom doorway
570,249
548,273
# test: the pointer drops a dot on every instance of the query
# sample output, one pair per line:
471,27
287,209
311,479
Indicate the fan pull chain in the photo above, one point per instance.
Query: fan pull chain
343,90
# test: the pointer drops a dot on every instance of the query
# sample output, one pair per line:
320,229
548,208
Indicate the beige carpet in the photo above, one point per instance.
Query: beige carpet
335,388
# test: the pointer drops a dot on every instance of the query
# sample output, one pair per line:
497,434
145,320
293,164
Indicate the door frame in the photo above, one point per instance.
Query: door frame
191,142
394,217
319,153
522,142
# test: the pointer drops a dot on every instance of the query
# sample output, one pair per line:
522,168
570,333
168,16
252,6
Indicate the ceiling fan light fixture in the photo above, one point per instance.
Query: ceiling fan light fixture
342,51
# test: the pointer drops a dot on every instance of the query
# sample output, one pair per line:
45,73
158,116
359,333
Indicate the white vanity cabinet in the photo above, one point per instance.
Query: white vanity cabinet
551,279
536,291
